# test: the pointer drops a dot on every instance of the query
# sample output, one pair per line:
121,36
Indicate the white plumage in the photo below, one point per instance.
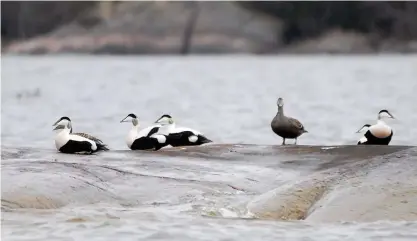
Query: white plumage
135,133
380,129
144,139
179,136
184,129
75,143
379,133
362,140
64,136
193,138
162,139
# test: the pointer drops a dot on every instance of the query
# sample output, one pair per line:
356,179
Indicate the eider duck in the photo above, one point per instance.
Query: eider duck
180,136
59,127
77,143
380,133
145,139
286,127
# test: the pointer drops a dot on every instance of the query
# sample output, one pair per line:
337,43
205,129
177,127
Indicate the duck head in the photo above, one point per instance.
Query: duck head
63,123
165,120
131,118
384,114
280,102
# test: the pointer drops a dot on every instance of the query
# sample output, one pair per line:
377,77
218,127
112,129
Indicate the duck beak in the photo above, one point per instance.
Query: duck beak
207,141
124,120
56,122
58,127
390,115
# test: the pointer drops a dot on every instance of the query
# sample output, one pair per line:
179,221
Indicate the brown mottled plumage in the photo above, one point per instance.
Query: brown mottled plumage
95,139
286,127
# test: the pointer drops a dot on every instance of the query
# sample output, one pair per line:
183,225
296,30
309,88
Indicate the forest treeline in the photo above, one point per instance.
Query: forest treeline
383,20
395,19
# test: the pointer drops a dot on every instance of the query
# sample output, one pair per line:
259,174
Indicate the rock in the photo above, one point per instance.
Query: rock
324,184
366,190
334,41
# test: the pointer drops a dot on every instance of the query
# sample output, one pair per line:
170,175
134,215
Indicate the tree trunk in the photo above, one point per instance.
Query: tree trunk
189,28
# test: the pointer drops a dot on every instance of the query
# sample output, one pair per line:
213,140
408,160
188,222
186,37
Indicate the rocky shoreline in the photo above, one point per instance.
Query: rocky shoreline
372,183
211,43
131,44
192,28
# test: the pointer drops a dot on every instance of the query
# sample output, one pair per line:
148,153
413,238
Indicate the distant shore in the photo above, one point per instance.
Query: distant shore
335,42
111,27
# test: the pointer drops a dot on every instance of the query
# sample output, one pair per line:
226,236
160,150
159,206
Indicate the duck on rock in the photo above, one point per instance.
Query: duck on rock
145,139
379,133
60,127
179,136
75,143
284,126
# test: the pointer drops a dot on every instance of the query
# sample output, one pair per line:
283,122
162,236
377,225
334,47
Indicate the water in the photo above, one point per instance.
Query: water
231,100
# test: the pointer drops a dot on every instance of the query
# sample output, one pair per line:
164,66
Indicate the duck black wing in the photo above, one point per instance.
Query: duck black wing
153,131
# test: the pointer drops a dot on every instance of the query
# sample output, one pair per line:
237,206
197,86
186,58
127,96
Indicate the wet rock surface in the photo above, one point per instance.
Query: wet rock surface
320,183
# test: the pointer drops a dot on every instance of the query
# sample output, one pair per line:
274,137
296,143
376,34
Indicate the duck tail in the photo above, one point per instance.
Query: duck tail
363,141
204,140
102,147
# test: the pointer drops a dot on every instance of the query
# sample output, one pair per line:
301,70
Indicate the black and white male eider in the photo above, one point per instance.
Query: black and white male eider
378,134
179,136
145,139
75,143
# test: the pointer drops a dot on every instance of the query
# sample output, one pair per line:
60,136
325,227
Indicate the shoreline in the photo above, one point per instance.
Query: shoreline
210,43
316,180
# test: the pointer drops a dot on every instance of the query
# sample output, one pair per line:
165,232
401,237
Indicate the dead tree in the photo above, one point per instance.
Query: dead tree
189,27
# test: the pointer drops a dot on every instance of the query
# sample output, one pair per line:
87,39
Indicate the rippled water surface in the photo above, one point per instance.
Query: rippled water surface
231,100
